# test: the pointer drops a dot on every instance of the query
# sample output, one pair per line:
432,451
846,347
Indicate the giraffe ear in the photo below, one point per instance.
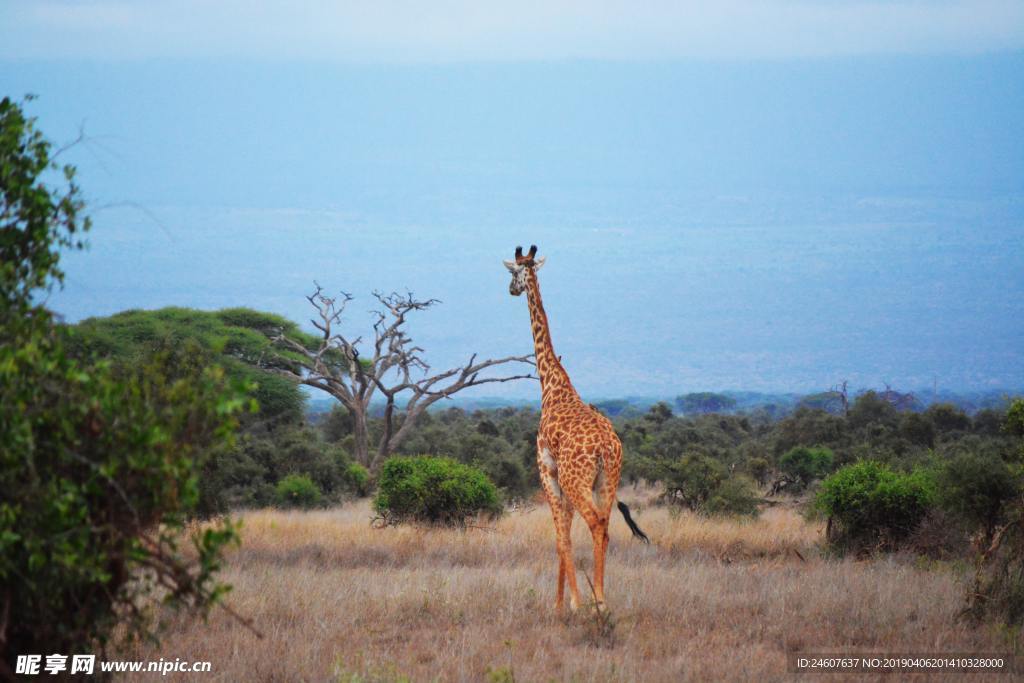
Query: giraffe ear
538,263
511,265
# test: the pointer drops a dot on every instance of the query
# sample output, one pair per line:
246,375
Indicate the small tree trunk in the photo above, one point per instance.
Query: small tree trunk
361,436
384,447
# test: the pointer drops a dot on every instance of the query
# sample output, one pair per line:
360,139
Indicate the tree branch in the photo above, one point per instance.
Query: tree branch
397,366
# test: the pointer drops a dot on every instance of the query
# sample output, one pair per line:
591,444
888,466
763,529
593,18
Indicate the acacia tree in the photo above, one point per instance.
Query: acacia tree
389,366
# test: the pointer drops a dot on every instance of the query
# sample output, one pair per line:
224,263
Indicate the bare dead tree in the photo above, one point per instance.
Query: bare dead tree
389,365
844,397
898,400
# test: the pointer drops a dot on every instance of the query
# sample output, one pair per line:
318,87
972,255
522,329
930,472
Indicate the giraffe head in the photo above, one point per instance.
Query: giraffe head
519,268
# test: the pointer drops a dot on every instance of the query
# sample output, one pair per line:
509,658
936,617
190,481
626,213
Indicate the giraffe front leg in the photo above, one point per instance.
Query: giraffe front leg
565,553
562,512
563,547
560,594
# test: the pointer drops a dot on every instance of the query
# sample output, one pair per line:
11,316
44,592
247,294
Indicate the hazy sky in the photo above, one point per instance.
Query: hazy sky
761,195
459,30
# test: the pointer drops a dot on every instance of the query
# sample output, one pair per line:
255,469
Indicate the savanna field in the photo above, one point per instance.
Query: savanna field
281,399
709,599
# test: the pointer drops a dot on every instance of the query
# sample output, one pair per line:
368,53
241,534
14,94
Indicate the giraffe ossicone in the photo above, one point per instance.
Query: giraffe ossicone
578,453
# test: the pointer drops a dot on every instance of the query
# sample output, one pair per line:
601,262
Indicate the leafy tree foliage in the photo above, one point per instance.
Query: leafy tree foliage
1015,418
663,448
917,429
358,479
692,480
988,422
504,448
337,425
659,413
35,221
977,487
871,409
734,496
274,441
233,338
806,427
947,418
246,474
998,590
804,464
759,469
98,469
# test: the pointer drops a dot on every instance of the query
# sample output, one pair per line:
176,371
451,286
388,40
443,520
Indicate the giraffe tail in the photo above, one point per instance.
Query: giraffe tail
637,532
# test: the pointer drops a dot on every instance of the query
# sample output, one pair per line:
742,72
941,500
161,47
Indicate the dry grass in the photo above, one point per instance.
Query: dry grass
337,600
777,533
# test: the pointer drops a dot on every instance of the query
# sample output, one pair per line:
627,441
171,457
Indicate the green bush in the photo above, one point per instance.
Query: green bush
871,506
806,427
1014,424
298,491
357,478
734,496
872,410
998,591
759,468
948,418
337,424
805,464
691,481
232,479
435,490
977,488
508,474
703,485
917,429
246,475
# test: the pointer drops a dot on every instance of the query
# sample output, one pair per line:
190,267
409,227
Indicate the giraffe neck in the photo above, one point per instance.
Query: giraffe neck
552,375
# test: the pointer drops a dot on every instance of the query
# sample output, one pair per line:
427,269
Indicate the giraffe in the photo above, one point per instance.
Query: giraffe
578,453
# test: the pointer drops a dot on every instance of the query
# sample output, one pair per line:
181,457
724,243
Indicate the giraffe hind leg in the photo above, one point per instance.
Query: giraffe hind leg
596,517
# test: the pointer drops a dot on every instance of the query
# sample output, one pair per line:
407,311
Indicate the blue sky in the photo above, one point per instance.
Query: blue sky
766,195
